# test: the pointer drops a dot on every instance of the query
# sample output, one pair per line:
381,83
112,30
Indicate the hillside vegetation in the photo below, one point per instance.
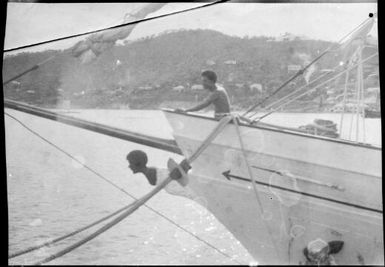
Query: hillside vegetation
142,74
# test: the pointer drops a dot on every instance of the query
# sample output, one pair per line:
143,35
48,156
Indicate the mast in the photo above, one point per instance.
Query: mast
359,111
360,108
358,99
344,101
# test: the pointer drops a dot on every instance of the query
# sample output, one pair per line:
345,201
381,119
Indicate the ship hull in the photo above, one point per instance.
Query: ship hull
307,188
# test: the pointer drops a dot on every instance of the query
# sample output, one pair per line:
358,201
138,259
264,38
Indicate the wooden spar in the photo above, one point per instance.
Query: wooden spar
159,143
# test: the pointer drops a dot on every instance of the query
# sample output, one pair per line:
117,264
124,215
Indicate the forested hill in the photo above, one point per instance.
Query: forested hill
143,73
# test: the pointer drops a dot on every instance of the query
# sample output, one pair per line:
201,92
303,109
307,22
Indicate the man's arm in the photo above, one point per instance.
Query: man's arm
204,104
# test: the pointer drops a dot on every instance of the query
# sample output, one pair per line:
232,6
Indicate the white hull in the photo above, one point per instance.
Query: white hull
333,190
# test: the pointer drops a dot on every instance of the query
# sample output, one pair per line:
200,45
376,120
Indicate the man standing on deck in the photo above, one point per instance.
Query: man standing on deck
218,96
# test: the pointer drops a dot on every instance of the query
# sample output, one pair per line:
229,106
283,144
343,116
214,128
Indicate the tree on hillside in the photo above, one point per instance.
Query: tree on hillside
163,62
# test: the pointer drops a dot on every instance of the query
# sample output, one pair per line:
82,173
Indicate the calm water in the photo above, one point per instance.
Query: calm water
50,195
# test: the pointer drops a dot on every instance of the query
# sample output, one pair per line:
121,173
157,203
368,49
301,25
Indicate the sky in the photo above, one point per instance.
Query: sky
35,22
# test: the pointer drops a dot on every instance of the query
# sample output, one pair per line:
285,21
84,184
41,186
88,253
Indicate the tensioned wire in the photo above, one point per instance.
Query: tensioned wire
329,49
119,188
319,85
114,27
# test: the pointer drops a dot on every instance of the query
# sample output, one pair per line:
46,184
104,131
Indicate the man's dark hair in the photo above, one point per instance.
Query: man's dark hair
209,74
137,157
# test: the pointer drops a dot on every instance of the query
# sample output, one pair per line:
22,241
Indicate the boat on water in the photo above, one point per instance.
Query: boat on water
290,196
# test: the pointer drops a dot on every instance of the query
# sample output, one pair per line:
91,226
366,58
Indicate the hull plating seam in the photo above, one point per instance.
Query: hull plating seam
309,195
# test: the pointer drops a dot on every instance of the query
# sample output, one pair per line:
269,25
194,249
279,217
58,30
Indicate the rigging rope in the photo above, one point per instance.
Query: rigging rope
344,101
247,162
134,207
329,49
319,85
124,191
114,27
291,94
351,126
358,99
253,181
50,242
220,126
362,103
28,70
